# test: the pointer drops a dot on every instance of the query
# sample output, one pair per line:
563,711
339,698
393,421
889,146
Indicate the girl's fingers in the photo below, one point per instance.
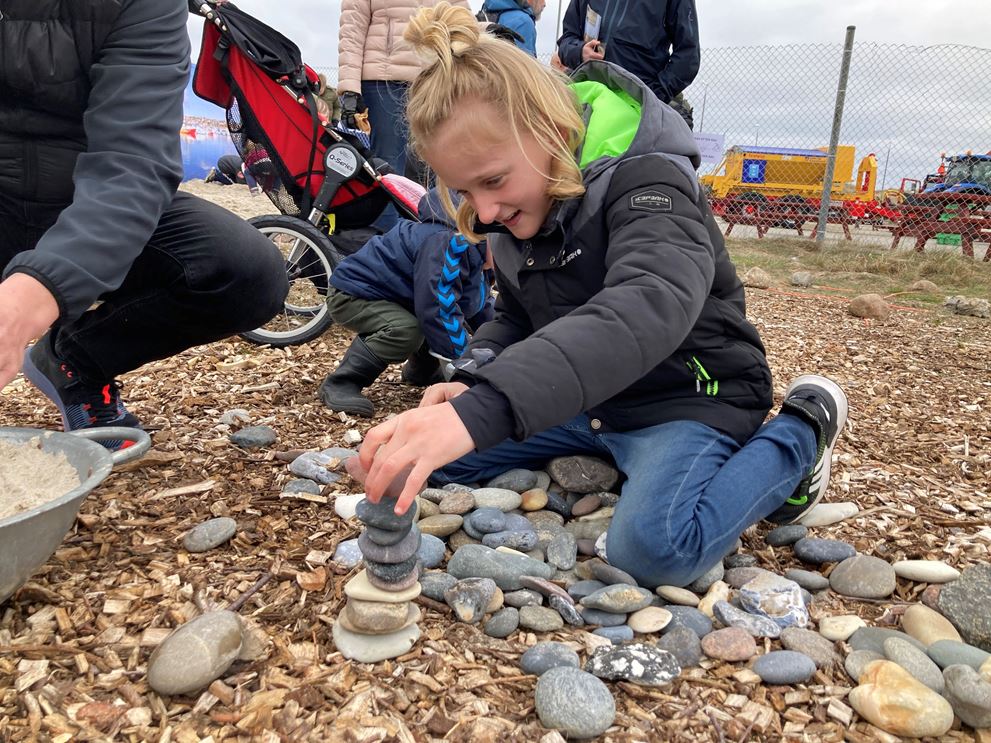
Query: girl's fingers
415,481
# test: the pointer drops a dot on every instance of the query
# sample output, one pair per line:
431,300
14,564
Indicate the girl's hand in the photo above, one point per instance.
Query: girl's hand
418,442
592,50
435,394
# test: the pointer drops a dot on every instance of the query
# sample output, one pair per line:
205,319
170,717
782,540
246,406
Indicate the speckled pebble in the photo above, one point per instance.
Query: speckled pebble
540,619
638,663
574,702
567,610
758,626
739,560
915,661
348,554
504,500
812,644
523,597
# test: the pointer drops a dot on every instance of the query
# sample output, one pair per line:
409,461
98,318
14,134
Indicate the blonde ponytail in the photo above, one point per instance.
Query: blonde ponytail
463,62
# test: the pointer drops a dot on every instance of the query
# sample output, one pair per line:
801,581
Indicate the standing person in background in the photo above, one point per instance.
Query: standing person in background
520,16
376,67
656,41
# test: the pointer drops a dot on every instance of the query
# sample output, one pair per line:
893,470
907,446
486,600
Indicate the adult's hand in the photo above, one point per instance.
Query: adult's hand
592,50
418,441
27,310
435,394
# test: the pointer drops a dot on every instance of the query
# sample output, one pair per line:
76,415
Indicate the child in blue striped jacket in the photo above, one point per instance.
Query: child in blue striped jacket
415,293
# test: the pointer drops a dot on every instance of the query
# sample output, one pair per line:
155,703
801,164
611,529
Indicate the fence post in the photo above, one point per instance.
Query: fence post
834,138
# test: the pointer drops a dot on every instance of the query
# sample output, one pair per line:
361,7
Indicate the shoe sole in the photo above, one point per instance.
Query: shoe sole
43,383
842,410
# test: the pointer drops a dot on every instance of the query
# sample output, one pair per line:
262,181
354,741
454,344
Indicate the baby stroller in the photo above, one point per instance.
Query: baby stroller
324,181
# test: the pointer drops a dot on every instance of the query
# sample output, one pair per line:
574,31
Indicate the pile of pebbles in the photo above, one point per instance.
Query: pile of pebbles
379,620
525,552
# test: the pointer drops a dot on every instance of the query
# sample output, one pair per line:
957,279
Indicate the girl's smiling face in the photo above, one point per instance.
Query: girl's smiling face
503,182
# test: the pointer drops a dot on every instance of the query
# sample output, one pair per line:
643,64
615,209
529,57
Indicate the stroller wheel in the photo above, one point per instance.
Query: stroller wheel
310,259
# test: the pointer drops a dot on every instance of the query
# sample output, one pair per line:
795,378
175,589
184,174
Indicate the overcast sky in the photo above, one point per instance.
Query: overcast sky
312,24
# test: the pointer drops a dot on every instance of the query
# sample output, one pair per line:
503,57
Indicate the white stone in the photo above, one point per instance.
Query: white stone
840,627
359,588
373,648
676,595
926,571
352,436
718,591
648,620
825,514
345,505
196,653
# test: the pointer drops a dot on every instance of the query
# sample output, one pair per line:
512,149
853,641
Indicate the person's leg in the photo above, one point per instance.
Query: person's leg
691,491
386,334
568,439
386,102
205,275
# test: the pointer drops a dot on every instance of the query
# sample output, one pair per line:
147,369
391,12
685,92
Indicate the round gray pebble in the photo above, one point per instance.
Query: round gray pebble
785,535
690,617
209,534
807,579
300,485
546,655
818,551
780,667
574,702
617,635
503,623
486,520
684,645
431,551
434,585
254,437
739,560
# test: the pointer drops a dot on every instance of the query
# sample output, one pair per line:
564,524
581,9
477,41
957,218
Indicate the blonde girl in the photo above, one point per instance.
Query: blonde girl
620,326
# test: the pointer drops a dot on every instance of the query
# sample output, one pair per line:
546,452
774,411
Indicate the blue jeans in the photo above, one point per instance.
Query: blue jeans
690,490
386,102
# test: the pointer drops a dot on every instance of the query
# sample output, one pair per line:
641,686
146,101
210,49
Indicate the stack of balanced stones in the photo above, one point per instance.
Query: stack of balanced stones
379,620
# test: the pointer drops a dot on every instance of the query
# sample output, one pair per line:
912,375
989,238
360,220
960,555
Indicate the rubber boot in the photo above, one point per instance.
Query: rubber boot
421,369
341,390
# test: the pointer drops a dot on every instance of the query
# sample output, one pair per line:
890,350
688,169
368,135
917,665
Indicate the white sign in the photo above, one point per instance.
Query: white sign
711,146
342,160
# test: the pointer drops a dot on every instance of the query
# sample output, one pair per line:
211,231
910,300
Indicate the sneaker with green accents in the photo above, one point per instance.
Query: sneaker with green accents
821,403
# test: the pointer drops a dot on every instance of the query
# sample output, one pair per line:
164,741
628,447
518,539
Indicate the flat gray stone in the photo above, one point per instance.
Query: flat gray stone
382,515
602,618
503,623
965,603
638,663
583,588
431,551
819,551
433,585
619,599
486,520
582,474
611,575
540,619
391,572
546,655
311,465
969,694
523,597
915,661
518,480
812,644
567,610
562,551
690,618
195,654
374,648
807,579
739,577
947,653
506,569
302,485
254,437
785,535
872,638
705,581
392,553
573,702
521,541
209,534
780,667
863,576
684,645
557,504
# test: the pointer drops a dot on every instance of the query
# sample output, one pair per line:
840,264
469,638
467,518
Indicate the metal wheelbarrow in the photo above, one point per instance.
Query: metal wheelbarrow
29,538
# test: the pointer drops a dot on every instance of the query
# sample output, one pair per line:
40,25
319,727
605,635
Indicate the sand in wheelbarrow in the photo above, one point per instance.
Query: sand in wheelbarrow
30,477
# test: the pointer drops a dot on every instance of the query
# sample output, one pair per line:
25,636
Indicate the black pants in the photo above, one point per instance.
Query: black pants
204,275
229,168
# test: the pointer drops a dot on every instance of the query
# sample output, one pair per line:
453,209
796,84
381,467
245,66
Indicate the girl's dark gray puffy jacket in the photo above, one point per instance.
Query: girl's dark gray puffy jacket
626,306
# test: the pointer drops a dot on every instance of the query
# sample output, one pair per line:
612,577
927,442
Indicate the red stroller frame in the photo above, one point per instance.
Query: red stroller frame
324,181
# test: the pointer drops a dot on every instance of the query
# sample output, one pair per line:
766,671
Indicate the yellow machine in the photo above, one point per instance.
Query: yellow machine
766,173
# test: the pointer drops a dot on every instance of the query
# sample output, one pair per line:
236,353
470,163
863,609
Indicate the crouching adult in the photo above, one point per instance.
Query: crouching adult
101,257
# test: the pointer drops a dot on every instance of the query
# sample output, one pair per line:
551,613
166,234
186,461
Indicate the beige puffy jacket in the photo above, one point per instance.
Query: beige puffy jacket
371,44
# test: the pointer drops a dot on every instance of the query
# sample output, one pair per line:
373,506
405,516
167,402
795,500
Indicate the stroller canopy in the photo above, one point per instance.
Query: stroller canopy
269,49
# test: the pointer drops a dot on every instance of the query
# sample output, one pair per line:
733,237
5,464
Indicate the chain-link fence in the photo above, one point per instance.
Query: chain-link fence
911,159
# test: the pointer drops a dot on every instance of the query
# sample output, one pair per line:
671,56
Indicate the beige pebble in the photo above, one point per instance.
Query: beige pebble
926,571
730,643
460,503
426,508
359,588
533,500
441,525
377,617
890,698
495,604
648,620
928,626
676,595
718,591
840,627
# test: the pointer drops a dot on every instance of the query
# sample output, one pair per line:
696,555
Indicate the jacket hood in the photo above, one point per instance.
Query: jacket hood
431,209
624,118
501,6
